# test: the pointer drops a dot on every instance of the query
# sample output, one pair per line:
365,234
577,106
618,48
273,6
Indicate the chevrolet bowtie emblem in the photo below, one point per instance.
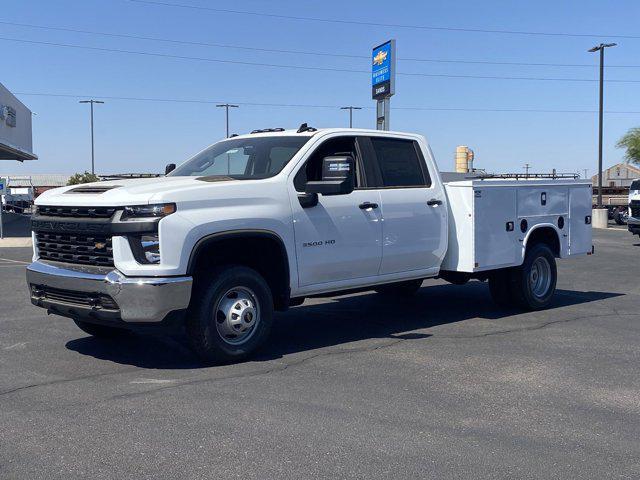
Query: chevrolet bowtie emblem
100,245
380,57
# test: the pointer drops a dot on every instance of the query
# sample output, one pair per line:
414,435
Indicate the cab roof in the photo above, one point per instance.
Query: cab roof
310,133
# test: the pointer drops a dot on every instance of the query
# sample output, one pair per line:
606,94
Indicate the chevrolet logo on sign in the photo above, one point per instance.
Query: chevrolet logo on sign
380,57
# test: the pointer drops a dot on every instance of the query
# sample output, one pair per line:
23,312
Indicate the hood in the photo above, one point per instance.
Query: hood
116,193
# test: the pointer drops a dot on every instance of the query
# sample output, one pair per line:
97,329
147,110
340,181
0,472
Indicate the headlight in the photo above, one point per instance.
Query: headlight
146,248
148,211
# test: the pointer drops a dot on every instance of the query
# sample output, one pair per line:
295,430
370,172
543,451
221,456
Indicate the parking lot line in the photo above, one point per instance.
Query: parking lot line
8,260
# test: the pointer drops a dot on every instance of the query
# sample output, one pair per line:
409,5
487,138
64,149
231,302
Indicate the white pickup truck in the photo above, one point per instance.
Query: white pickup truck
256,223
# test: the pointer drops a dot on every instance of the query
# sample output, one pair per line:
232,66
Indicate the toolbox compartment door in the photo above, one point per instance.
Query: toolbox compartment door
496,246
580,240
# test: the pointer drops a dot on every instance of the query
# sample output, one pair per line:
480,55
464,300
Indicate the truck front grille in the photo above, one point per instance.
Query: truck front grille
69,297
77,212
75,248
635,208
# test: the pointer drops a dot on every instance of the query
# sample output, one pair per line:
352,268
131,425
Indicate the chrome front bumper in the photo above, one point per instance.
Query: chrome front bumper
77,292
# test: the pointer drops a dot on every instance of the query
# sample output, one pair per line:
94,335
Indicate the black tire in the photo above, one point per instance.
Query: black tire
619,219
500,287
401,289
523,286
100,331
204,325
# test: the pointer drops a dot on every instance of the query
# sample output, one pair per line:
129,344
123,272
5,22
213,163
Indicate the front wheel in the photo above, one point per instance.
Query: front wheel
230,315
534,282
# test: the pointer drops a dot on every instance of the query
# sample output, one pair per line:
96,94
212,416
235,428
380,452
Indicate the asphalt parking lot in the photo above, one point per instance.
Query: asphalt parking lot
445,385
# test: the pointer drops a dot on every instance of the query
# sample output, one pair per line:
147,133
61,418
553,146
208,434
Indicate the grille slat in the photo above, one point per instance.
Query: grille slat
84,299
77,212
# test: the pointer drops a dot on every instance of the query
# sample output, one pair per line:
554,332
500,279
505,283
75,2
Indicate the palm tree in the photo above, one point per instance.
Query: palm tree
631,141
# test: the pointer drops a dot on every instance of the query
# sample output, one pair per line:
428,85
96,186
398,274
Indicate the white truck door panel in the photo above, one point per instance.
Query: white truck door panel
337,240
412,231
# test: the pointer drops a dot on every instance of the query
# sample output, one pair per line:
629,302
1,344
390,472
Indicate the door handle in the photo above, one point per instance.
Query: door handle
433,201
367,205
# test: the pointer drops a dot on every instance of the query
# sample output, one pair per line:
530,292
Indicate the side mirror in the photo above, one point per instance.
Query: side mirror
169,168
338,176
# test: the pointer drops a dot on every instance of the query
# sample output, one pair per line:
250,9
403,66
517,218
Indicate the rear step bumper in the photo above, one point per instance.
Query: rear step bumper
106,296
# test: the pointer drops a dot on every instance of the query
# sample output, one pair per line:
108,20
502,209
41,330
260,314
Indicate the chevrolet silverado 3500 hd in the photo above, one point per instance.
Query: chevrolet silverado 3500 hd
258,222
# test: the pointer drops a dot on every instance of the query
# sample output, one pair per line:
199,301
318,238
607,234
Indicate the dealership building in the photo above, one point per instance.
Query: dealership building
15,128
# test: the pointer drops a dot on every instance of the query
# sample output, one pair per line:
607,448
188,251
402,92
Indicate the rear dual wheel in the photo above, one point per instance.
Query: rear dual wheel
530,286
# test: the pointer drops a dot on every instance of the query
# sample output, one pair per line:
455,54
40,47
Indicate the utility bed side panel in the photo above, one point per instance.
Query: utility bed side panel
495,246
538,201
460,251
485,219
580,240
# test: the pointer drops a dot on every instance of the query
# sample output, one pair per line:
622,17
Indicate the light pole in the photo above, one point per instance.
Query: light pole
93,161
526,170
600,48
227,106
351,109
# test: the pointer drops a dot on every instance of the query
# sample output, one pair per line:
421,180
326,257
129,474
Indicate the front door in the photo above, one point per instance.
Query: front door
340,238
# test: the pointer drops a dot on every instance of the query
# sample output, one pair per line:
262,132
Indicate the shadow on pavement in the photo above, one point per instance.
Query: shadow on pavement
339,321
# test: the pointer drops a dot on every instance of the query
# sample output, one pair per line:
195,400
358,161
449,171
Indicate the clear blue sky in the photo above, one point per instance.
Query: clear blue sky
143,136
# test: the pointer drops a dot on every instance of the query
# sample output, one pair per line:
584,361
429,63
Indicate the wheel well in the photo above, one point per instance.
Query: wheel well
546,235
262,251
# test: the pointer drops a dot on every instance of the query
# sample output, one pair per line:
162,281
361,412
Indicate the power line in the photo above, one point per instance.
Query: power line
305,67
298,52
379,24
304,105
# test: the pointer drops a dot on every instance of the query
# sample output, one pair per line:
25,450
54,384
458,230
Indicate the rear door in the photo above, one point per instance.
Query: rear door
413,208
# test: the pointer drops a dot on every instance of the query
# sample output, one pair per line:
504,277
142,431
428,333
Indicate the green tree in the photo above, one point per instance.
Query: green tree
85,177
631,141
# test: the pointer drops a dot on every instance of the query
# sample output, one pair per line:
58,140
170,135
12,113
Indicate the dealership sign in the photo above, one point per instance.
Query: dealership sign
383,70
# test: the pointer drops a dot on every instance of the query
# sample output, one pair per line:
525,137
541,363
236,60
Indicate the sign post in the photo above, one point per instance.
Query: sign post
383,81
3,188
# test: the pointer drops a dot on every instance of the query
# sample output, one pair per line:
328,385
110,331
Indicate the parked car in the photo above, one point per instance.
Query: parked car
621,215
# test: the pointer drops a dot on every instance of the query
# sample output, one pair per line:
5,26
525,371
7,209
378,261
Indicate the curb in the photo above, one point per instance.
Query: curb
16,242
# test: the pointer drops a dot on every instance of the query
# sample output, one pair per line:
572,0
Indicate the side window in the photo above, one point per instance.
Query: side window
312,170
400,162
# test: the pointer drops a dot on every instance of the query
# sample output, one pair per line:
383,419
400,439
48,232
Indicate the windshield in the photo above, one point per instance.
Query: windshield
635,185
243,158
